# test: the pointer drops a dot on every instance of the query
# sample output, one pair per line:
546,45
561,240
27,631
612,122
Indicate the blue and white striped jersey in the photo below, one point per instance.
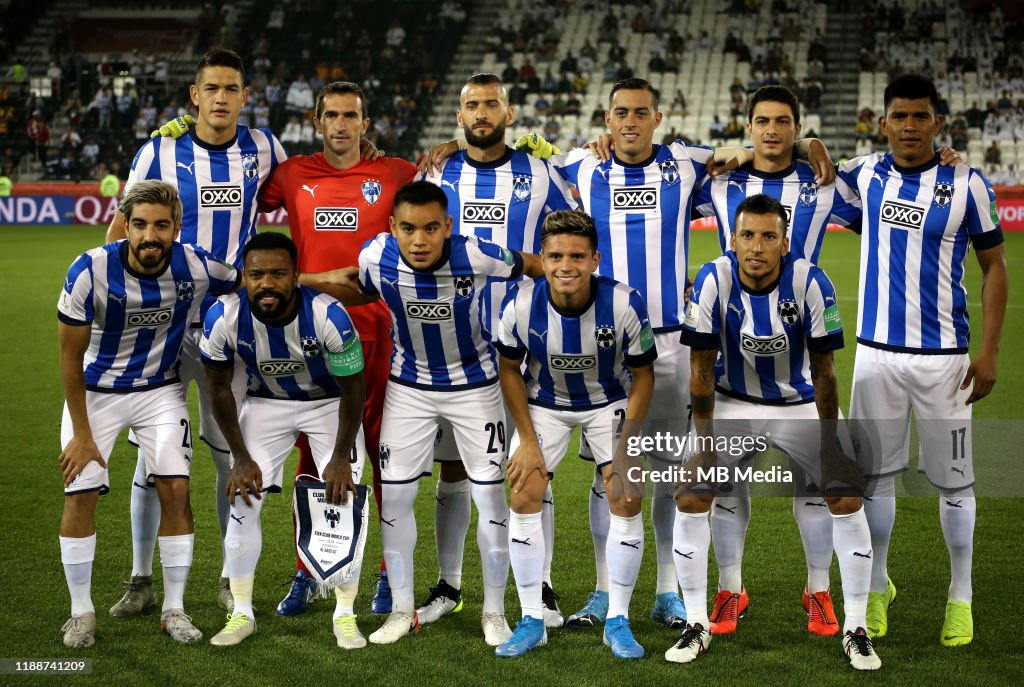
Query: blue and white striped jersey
810,207
505,202
138,321
918,226
289,361
764,338
218,185
437,318
576,361
642,212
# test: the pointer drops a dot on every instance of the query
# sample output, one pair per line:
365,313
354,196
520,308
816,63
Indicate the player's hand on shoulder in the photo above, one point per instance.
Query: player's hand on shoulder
432,161
824,168
368,151
537,146
525,459
174,128
982,372
247,479
79,452
949,157
338,476
602,147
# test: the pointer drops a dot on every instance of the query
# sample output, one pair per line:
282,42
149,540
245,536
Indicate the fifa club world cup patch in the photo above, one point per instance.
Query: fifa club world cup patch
371,191
692,310
832,321
509,259
329,538
646,337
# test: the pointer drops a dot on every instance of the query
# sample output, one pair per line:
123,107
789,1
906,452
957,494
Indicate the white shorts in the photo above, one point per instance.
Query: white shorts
270,427
670,404
410,425
554,431
192,370
887,386
160,422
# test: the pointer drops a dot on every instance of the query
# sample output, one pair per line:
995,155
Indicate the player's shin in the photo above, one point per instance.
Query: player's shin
663,509
547,513
451,523
176,559
624,552
77,555
730,517
145,519
492,539
851,539
880,510
243,545
957,513
527,548
398,537
690,543
599,522
815,525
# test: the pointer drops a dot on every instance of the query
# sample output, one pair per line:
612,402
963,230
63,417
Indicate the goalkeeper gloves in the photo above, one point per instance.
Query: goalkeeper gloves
175,128
537,145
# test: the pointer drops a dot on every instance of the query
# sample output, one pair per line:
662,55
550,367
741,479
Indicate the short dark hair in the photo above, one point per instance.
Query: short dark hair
271,240
340,88
774,94
485,79
573,222
421,193
634,84
762,204
221,57
911,87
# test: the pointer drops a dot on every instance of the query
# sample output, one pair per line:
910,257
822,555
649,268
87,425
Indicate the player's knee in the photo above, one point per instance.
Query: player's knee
624,508
174,495
529,499
843,505
80,508
453,471
694,502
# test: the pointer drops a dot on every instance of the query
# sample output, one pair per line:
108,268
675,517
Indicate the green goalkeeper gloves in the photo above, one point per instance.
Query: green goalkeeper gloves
537,145
175,128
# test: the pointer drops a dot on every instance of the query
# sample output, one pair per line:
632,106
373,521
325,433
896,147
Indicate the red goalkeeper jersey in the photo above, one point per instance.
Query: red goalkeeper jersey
333,212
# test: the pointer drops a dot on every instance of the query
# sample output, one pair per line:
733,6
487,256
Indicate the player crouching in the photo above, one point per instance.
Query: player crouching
304,363
584,337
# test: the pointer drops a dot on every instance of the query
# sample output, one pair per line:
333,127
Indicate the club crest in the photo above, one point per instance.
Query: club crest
522,186
789,313
185,290
463,286
669,172
371,191
605,336
311,347
251,167
808,194
943,194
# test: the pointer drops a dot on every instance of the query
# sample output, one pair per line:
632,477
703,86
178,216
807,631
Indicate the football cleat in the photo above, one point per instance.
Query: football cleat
729,608
878,610
80,631
443,599
238,628
382,598
496,629
693,642
619,636
529,633
303,590
821,616
958,627
397,625
224,598
347,633
669,610
552,613
859,650
138,596
593,612
179,626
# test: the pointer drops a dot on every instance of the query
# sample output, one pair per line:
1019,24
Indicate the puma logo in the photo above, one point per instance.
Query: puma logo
550,502
631,544
389,523
503,523
312,191
187,167
140,486
858,554
525,542
736,309
726,508
954,504
595,492
540,335
237,518
440,501
958,470
450,184
118,299
248,344
688,556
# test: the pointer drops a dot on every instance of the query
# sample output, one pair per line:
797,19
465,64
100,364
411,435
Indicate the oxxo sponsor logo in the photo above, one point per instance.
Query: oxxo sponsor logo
483,213
281,368
902,215
573,362
149,318
220,196
336,219
430,311
768,345
635,198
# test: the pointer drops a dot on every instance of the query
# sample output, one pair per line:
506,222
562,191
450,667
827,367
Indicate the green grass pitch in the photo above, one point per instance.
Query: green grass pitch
771,645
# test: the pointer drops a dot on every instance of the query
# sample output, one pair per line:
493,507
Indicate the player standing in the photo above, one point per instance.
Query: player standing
304,363
124,311
762,328
586,340
336,202
502,195
218,169
920,221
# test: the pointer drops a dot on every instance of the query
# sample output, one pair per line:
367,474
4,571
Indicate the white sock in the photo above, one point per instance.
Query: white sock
815,523
957,513
663,516
176,558
492,539
880,509
624,553
243,544
398,537
730,516
691,540
346,598
599,518
451,523
851,538
77,555
547,512
145,517
222,464
526,550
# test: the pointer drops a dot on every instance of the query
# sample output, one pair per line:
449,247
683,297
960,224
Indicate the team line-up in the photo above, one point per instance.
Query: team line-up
514,296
